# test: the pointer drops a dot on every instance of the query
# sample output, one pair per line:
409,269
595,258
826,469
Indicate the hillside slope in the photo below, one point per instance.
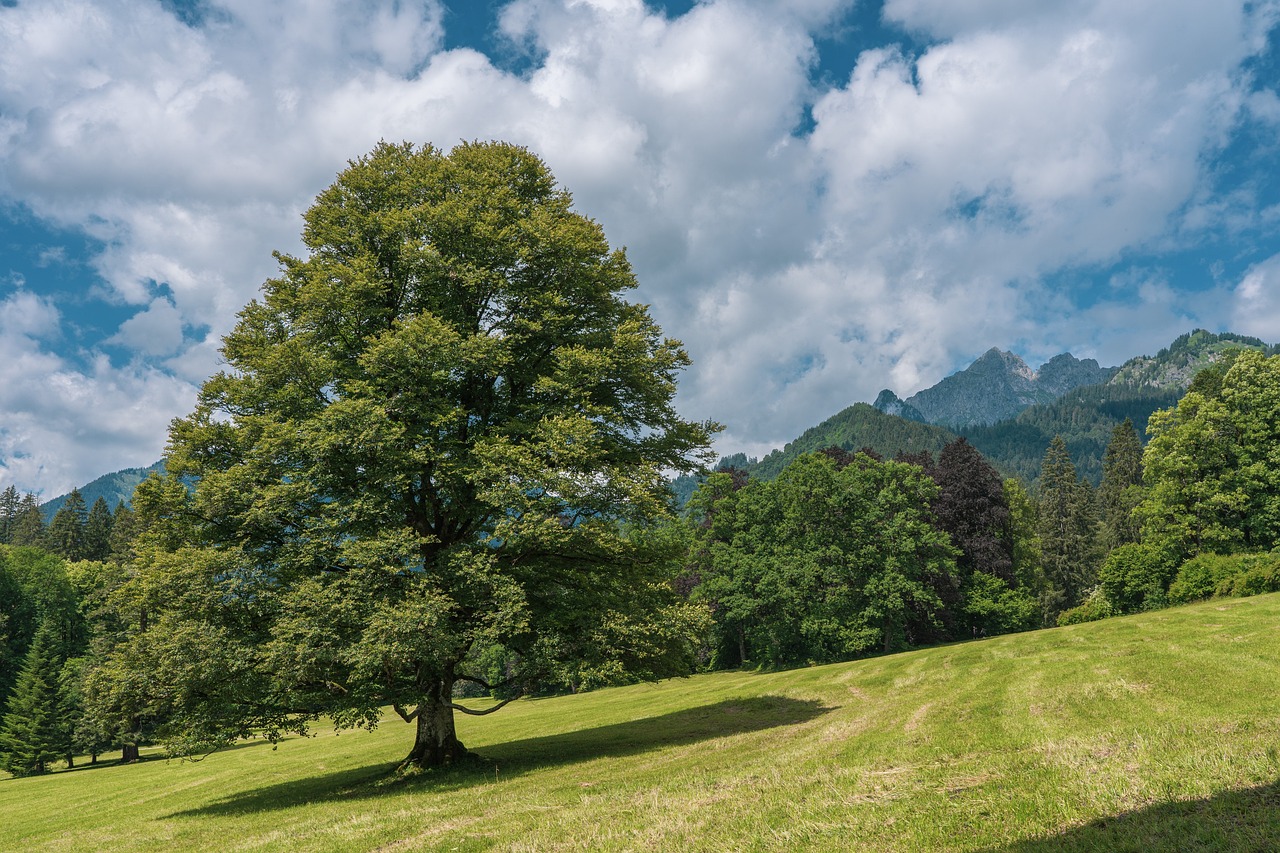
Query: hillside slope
853,429
1154,732
113,488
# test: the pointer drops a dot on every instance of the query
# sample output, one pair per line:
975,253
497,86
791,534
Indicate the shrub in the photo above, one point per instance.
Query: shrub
1261,575
1134,577
1202,576
1094,607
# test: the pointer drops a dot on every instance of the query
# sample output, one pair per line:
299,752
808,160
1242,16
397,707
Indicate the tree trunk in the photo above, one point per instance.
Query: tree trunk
130,753
436,744
742,645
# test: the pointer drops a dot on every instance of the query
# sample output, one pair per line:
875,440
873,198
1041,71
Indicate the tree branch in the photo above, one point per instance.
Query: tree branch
475,713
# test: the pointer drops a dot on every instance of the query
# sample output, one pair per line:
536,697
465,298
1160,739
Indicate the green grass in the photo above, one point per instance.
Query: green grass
1152,732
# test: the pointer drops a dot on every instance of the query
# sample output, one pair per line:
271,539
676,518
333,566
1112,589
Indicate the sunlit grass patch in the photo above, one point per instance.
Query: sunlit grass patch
1159,731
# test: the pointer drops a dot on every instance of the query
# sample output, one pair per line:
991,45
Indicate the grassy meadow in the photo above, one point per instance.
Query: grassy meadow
1152,732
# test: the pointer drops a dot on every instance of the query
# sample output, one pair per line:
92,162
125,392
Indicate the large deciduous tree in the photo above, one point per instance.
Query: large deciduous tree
1213,463
972,508
439,431
827,562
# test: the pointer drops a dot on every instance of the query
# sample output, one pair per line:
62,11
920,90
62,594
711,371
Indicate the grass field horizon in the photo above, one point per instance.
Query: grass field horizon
1152,732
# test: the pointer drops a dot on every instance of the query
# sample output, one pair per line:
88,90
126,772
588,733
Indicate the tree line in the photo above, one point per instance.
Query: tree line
842,555
847,554
76,531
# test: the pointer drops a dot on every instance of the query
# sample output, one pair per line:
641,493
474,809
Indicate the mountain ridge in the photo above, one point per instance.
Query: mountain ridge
114,488
1084,415
996,386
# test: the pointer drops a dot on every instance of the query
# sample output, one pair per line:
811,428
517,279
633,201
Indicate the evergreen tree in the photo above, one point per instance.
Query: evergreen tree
28,529
124,529
65,536
97,531
10,506
15,613
34,732
1121,489
1068,532
1024,537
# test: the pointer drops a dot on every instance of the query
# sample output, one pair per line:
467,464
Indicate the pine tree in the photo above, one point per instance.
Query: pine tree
124,529
1121,488
65,536
14,610
28,529
10,504
1068,532
97,531
34,732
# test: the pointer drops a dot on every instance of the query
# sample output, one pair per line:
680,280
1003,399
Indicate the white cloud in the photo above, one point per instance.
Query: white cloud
61,422
26,317
909,231
1024,143
155,331
1256,304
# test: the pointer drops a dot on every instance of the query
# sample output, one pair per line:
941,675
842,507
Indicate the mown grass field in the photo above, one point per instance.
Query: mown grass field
1153,732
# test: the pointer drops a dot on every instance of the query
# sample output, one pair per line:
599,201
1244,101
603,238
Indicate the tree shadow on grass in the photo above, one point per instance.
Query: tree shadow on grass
730,717
1232,822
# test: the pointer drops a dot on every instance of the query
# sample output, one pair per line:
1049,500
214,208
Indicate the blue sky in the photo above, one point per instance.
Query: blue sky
821,198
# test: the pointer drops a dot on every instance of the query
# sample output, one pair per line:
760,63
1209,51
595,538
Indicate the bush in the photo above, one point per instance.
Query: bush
1261,575
1133,578
1202,576
1093,608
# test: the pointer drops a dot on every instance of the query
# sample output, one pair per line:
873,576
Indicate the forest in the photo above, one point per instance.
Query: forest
437,466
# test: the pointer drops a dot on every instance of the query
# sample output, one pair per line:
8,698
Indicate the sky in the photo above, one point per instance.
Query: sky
821,198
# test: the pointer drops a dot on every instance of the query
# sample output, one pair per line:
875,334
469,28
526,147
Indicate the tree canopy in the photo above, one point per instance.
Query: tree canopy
1213,463
438,435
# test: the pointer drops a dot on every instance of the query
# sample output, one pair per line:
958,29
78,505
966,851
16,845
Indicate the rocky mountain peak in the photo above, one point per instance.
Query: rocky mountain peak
889,403
998,385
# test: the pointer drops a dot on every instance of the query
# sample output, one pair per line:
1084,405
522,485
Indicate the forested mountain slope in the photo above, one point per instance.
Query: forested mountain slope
1084,415
114,487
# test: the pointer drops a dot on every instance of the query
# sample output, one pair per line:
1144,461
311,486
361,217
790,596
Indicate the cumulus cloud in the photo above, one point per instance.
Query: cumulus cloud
809,244
155,331
1022,144
1256,303
61,421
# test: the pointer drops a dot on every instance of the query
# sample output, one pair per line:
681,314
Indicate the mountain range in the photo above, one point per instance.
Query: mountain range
996,387
1005,409
1011,413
